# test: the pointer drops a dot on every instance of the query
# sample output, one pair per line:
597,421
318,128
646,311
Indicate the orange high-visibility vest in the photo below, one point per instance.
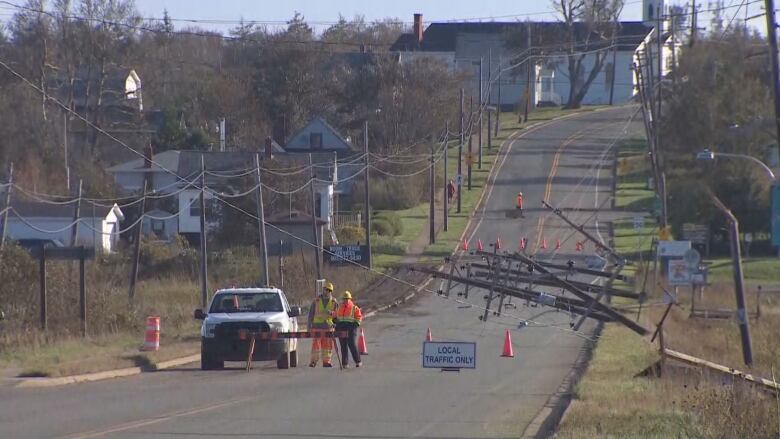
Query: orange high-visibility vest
349,312
520,200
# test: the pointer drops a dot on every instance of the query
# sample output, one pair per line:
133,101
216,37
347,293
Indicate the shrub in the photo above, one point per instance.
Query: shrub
393,219
387,245
392,194
382,227
351,234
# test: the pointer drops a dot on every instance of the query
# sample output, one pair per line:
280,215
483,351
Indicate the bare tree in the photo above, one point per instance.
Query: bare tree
591,28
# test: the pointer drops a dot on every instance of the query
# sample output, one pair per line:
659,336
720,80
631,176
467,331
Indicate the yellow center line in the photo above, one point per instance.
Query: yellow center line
553,172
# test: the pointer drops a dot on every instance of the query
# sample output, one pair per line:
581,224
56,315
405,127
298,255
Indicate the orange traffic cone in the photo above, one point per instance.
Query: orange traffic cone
557,244
465,245
362,343
544,243
507,345
479,245
522,244
429,337
498,243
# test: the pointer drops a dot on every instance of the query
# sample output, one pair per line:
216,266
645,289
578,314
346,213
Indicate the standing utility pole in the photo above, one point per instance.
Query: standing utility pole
203,260
7,205
446,181
528,78
367,197
261,225
460,150
432,190
316,235
498,104
742,314
470,166
137,244
771,31
612,81
74,230
65,145
695,24
481,107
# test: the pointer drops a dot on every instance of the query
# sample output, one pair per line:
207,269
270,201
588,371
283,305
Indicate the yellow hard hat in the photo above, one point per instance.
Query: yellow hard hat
329,287
347,295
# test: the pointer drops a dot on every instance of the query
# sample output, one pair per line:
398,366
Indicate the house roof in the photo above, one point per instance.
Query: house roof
294,217
186,164
87,77
442,37
343,146
32,209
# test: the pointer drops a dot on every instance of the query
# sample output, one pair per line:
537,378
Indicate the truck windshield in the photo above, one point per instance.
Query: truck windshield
246,302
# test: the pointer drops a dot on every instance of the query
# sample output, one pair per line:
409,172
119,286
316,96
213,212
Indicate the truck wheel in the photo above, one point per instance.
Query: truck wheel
294,359
209,363
284,361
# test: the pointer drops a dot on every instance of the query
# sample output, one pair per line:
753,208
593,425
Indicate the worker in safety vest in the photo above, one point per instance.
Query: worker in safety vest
321,314
520,201
348,318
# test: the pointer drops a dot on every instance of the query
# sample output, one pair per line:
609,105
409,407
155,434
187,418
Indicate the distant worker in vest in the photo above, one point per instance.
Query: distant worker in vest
348,318
520,202
321,314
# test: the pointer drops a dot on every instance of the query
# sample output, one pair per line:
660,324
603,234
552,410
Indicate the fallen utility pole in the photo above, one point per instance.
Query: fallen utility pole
587,271
562,303
579,293
620,259
547,280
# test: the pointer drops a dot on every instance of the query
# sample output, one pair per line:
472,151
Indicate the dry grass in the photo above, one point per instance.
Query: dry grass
686,402
115,327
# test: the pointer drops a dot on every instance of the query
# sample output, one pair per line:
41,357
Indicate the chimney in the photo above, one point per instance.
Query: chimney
280,130
418,27
148,151
269,148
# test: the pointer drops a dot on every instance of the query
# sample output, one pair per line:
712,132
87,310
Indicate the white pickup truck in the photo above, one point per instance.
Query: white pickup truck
256,310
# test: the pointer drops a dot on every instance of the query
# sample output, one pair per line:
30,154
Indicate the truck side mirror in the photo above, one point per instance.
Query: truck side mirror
295,311
199,314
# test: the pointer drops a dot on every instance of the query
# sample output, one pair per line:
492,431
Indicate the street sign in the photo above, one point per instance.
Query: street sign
344,254
679,272
673,248
748,237
696,233
776,215
692,258
449,355
639,222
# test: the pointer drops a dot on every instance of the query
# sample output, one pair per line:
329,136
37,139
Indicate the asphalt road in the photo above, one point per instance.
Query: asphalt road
565,161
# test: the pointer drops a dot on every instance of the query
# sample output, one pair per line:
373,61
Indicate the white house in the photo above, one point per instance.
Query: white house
512,47
32,223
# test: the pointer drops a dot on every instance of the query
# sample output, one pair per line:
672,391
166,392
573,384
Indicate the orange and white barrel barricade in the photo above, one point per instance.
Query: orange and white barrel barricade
152,334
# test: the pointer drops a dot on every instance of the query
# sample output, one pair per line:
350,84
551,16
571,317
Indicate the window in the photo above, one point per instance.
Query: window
158,226
315,140
194,207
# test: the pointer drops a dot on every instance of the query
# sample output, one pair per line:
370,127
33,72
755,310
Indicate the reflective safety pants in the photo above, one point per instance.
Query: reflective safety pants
321,346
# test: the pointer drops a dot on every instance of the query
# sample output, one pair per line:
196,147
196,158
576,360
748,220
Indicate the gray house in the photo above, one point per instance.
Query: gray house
293,223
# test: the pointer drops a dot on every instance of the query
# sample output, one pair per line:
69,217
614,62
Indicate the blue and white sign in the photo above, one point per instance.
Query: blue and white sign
449,355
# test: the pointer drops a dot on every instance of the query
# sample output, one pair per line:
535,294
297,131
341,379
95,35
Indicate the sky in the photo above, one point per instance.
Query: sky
224,15
327,11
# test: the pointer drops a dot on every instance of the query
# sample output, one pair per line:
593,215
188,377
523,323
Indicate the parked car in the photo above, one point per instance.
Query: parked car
236,310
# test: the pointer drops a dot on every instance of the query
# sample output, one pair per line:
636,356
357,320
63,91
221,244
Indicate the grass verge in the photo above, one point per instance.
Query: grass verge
610,401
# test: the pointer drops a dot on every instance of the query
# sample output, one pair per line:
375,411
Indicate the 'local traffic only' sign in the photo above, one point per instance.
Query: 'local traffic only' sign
449,355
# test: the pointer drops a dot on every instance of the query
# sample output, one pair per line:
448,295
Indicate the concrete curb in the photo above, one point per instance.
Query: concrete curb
105,375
